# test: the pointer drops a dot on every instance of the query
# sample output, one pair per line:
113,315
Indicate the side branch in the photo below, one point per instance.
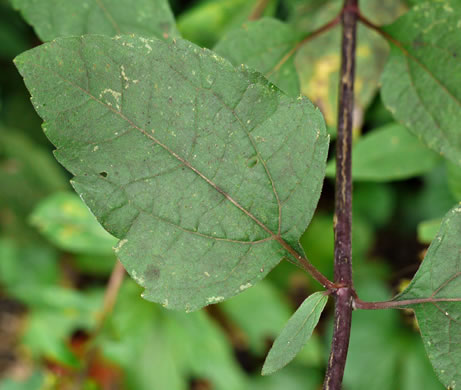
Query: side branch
359,304
326,27
343,202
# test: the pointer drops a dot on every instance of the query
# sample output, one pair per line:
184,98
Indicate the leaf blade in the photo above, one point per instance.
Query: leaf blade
295,334
438,279
156,102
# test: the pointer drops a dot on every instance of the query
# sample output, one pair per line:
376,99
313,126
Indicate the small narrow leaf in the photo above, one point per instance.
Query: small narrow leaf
389,153
421,84
262,45
199,168
438,280
52,19
295,334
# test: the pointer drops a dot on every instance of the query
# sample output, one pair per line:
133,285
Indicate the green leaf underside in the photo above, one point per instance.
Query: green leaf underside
56,18
262,45
295,334
421,84
389,153
205,172
65,220
439,278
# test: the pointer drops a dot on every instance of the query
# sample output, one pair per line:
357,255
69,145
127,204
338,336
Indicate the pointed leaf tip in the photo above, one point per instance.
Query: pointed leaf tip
295,334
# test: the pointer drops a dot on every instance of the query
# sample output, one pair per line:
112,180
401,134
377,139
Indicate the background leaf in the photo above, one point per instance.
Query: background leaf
427,230
167,347
66,221
318,61
388,153
262,45
421,84
52,19
203,193
295,334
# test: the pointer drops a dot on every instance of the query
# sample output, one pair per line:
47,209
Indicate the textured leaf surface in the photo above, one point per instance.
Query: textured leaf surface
295,334
389,153
205,172
66,221
56,18
262,45
440,321
421,84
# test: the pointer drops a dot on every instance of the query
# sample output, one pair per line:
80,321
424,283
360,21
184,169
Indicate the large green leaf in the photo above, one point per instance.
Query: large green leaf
389,153
438,279
295,334
56,18
207,173
65,220
262,45
421,84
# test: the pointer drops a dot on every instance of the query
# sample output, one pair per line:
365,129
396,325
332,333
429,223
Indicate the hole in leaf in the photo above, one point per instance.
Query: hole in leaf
103,174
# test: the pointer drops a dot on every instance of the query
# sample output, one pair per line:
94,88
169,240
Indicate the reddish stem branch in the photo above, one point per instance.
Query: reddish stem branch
343,202
378,29
258,10
309,37
112,289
